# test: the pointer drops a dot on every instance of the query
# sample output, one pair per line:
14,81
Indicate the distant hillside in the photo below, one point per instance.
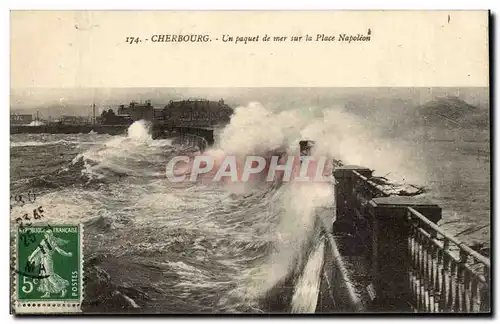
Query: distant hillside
444,118
452,112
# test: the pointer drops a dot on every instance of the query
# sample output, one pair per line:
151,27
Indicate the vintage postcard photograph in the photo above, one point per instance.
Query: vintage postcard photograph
169,162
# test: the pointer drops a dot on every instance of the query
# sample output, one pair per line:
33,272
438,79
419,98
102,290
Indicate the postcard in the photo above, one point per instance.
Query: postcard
250,162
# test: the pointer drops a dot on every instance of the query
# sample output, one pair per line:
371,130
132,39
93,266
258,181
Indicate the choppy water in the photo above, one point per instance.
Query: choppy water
154,245
205,247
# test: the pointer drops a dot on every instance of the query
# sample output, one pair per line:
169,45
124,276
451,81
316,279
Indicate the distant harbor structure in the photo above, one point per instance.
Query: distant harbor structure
21,119
199,113
193,116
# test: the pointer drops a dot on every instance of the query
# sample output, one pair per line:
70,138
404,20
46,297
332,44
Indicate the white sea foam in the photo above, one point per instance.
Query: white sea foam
256,130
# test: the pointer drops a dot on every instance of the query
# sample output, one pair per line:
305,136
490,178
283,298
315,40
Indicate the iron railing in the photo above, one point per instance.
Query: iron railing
445,274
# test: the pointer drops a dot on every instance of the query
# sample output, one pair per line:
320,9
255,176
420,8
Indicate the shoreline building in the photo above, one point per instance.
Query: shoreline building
21,119
199,113
196,113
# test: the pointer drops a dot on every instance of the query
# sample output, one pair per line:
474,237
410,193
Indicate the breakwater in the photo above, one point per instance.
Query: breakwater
69,129
202,137
190,136
191,140
163,131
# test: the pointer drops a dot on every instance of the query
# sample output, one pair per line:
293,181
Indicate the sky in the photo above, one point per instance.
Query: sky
279,98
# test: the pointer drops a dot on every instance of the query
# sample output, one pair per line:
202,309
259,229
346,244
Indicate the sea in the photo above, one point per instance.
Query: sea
190,247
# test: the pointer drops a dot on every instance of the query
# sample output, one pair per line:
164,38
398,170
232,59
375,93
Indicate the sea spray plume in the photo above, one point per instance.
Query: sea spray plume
355,141
338,134
120,155
305,296
140,131
253,168
36,123
296,204
234,171
255,129
342,135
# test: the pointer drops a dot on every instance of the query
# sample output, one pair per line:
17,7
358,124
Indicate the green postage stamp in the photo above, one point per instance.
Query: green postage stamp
49,273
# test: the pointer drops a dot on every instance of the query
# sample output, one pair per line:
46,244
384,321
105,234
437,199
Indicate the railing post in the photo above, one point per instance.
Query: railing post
485,292
344,196
391,258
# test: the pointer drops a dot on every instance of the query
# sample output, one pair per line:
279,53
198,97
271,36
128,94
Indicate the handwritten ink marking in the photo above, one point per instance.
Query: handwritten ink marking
22,199
27,236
